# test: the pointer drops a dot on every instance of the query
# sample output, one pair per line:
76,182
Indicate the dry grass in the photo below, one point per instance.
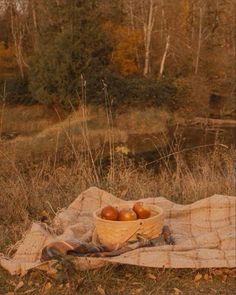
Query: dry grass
27,192
30,189
26,120
123,280
151,120
27,189
42,131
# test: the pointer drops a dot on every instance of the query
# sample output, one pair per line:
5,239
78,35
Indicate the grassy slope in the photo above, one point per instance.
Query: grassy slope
28,190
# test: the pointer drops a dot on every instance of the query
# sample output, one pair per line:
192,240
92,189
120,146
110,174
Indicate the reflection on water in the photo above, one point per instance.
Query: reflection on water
149,147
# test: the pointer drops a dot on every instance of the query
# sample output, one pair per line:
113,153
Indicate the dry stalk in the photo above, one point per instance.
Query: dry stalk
110,124
3,108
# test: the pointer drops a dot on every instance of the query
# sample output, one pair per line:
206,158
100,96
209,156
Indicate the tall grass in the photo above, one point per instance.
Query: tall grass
26,191
29,190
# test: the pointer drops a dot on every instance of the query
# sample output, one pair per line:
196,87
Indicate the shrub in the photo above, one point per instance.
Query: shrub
136,90
16,91
74,44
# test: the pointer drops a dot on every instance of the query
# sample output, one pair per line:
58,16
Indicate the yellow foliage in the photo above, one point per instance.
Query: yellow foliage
126,41
8,65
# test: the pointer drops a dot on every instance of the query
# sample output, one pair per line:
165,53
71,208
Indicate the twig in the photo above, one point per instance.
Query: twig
181,151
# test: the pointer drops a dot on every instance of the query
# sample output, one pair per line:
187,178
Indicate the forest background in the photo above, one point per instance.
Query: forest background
180,54
118,95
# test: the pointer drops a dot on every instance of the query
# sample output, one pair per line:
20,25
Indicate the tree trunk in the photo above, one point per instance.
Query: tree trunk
148,27
35,24
17,42
133,29
199,41
164,56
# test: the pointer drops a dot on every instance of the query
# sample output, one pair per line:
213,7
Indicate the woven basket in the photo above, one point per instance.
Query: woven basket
118,232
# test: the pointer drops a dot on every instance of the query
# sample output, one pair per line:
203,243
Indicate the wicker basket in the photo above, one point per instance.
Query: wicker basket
118,232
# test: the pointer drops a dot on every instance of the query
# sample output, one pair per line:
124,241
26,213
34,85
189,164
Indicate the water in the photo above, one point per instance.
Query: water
150,147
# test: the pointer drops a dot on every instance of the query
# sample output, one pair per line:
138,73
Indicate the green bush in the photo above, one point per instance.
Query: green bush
136,90
16,91
77,46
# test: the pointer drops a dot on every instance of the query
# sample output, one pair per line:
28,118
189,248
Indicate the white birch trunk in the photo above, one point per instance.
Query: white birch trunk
17,42
162,66
148,27
199,41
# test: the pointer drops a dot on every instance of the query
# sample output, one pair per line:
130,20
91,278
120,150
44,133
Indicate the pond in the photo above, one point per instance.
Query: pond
183,139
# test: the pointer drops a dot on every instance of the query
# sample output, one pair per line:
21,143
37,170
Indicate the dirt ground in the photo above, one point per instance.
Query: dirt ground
122,280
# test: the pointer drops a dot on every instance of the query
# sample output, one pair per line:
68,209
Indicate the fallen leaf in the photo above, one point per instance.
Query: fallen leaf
136,291
197,277
218,272
30,291
128,275
101,290
47,286
151,276
122,289
177,291
52,272
224,279
206,277
19,285
227,270
44,213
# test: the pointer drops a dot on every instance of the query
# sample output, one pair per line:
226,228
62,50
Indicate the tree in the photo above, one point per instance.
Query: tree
125,42
143,15
71,42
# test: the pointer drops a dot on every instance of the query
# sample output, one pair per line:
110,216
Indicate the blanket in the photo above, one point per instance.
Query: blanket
204,232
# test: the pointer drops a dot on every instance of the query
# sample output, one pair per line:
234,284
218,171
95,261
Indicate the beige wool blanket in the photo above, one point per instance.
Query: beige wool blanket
204,232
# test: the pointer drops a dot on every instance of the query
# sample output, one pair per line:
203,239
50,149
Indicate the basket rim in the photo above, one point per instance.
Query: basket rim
159,209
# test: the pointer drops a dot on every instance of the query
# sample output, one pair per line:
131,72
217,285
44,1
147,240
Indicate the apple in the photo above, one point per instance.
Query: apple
127,214
141,211
109,213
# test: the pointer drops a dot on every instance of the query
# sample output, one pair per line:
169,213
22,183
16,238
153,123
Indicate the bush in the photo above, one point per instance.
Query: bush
136,90
16,91
65,53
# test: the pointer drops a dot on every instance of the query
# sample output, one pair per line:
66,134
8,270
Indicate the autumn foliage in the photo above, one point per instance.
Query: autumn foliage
187,45
126,43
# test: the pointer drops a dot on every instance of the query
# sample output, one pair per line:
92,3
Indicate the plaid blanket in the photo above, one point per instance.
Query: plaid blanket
204,233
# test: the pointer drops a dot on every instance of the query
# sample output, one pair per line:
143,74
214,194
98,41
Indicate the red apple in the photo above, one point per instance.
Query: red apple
141,211
127,214
109,213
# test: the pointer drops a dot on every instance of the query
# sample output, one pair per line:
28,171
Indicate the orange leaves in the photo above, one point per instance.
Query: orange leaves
126,41
7,61
101,290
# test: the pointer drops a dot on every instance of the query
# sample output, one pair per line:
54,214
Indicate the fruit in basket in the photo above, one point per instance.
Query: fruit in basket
109,213
127,214
141,211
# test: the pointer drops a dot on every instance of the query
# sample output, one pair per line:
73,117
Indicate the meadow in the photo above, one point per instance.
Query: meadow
54,157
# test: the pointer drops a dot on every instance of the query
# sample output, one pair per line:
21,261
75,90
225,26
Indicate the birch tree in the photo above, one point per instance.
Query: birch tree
199,40
164,56
148,15
143,15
